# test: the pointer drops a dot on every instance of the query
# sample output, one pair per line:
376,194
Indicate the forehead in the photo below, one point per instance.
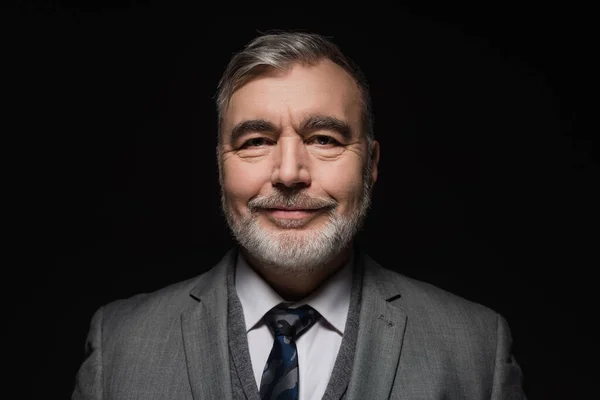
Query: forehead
287,96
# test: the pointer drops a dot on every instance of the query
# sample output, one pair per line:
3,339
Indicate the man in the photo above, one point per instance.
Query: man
297,311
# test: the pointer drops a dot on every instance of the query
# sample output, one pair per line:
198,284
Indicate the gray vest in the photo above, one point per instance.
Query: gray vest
242,375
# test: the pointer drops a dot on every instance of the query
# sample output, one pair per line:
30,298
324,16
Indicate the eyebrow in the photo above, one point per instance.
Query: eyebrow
311,123
327,123
254,125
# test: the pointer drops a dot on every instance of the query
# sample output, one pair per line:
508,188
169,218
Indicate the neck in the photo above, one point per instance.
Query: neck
295,287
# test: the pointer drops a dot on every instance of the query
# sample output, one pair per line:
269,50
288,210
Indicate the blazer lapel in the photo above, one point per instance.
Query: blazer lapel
380,334
204,328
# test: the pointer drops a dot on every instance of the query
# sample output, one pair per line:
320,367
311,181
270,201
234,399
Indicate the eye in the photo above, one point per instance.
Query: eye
323,140
254,142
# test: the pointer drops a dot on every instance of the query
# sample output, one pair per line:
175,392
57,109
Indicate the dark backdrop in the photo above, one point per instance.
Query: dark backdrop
486,183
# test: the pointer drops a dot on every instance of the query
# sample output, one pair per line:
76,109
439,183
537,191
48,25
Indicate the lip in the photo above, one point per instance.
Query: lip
293,209
292,213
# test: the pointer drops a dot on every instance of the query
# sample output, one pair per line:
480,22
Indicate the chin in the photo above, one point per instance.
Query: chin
294,247
291,226
293,251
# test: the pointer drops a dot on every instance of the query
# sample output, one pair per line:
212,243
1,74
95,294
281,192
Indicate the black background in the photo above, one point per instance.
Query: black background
487,174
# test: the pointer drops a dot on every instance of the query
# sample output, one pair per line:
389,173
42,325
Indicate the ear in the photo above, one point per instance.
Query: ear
219,164
374,161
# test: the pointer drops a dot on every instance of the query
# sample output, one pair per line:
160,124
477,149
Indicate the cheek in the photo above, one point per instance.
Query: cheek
344,183
241,183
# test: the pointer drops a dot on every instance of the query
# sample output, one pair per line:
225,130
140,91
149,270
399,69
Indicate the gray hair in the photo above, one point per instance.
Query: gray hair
280,50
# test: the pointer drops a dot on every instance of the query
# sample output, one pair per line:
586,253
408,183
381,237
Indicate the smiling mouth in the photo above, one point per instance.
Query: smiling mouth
297,214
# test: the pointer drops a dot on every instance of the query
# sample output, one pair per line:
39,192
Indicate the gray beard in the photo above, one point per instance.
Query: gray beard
293,252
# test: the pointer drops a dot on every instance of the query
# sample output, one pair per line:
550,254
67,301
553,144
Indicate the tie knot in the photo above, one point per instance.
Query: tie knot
291,322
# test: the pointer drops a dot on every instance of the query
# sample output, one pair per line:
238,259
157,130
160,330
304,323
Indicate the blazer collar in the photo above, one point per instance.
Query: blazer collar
382,324
204,328
215,279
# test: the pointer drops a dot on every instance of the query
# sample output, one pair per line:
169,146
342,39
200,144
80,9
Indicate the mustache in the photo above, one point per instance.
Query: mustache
298,199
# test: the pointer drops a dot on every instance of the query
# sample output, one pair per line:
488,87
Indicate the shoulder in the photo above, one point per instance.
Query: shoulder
433,306
445,323
166,304
152,308
415,292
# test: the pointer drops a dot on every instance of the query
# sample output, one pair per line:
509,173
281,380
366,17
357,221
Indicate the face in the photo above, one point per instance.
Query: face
295,167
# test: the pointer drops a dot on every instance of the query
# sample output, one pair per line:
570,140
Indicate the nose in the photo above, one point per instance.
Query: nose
290,168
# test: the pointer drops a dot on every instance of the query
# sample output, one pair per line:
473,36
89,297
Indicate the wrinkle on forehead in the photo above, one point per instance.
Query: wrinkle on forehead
285,97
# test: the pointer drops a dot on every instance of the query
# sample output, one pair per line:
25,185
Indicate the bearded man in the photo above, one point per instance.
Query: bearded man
297,310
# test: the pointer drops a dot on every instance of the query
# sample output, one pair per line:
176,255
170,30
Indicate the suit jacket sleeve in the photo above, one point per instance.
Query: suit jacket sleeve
508,377
88,384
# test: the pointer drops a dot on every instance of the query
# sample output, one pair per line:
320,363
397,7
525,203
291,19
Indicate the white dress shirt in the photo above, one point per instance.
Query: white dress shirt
318,346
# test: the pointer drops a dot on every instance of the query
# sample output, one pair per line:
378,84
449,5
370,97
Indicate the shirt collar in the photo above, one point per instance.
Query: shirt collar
331,300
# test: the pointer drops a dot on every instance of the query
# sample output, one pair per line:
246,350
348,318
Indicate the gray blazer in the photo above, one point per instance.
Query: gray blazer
415,341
